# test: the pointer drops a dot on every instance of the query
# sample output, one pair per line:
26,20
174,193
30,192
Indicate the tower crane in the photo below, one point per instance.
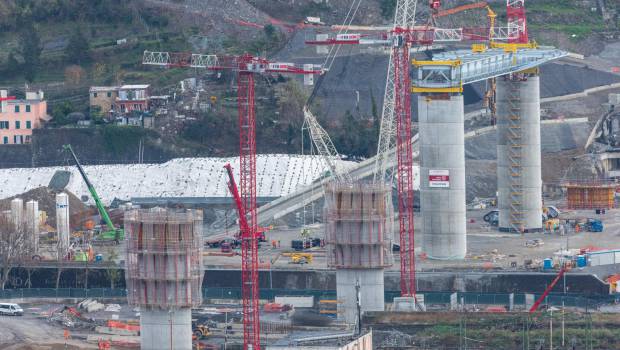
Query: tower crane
395,127
246,66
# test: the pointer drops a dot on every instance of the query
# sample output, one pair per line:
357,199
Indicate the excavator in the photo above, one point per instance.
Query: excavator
112,233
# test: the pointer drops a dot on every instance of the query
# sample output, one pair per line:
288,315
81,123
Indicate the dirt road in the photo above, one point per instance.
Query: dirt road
29,333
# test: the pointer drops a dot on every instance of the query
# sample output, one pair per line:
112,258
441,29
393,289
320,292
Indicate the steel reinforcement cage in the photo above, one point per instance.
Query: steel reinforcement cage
358,225
164,258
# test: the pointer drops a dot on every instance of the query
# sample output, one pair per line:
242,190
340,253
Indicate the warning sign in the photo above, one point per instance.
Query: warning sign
439,178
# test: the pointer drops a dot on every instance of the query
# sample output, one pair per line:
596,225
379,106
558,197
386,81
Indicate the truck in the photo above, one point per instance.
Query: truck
313,20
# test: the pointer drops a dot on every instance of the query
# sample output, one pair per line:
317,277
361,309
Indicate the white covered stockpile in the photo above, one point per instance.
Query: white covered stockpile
276,175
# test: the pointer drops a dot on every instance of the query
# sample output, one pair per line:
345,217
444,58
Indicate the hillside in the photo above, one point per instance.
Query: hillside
65,46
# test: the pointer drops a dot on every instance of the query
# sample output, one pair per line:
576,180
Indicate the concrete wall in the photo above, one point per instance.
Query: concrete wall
442,147
372,292
166,329
484,282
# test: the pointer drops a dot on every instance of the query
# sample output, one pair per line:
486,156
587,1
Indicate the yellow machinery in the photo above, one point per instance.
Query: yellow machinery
300,258
201,331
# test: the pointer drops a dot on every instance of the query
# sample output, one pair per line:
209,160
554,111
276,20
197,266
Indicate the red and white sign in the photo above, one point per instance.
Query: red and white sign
439,178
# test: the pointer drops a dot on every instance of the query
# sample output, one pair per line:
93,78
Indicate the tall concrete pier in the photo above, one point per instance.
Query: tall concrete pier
519,179
164,274
359,240
442,175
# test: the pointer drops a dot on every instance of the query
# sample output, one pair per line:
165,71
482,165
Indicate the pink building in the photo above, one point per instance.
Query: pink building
19,117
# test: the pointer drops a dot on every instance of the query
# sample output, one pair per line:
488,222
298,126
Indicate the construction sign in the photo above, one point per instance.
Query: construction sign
439,178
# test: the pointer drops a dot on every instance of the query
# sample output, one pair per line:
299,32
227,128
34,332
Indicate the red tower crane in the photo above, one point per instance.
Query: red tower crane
246,67
396,116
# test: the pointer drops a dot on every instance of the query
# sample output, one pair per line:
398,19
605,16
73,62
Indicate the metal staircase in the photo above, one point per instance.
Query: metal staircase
515,156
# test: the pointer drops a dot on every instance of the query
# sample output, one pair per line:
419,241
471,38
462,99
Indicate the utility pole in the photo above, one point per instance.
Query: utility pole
551,330
359,307
563,322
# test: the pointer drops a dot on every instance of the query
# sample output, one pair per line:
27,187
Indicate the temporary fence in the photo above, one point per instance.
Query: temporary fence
62,293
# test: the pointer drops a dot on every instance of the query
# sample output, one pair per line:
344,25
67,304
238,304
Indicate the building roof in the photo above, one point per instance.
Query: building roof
103,88
129,87
21,101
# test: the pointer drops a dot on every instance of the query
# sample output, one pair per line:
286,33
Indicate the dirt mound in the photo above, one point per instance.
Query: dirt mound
47,203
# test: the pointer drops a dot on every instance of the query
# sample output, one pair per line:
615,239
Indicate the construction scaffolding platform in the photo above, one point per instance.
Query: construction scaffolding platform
357,230
164,258
590,194
449,71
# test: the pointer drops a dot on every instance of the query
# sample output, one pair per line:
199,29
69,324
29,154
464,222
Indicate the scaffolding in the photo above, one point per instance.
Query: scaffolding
590,194
358,226
515,149
164,258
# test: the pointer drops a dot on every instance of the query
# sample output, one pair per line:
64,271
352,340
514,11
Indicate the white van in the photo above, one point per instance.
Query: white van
11,309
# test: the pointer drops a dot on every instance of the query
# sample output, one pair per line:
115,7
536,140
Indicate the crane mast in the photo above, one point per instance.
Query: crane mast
246,67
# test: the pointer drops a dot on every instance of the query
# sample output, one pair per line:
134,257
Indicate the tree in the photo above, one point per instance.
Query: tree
78,50
13,247
31,51
60,112
112,272
12,65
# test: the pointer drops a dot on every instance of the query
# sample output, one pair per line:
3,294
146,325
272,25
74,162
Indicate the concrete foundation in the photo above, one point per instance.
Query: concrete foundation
371,287
442,176
166,329
519,179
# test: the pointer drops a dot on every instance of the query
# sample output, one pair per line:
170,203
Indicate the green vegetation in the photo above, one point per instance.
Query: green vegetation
118,139
388,7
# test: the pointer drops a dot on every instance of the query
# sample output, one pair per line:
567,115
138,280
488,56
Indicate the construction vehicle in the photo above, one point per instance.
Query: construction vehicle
275,307
593,225
112,233
225,247
548,290
300,258
201,331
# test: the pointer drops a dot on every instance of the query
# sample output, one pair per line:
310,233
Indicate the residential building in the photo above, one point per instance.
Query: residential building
19,117
133,98
103,100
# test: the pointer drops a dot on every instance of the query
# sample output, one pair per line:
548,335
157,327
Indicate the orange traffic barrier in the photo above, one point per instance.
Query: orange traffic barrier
121,325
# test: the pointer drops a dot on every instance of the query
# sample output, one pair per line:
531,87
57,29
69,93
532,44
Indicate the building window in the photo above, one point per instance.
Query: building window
109,94
28,124
27,138
136,107
27,108
6,140
16,108
14,139
4,125
18,125
94,94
